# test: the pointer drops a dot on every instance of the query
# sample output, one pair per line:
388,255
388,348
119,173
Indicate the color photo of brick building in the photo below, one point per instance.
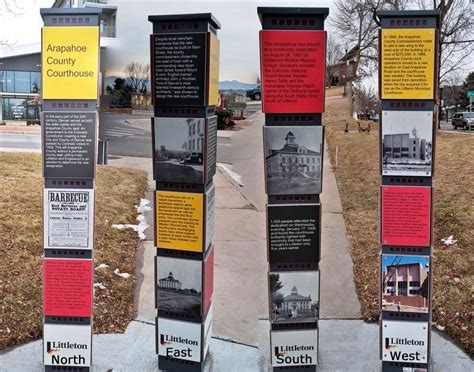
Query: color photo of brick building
405,281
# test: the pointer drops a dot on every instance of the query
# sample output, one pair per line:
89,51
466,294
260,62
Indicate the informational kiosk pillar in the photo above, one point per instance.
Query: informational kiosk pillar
185,76
408,80
293,65
70,69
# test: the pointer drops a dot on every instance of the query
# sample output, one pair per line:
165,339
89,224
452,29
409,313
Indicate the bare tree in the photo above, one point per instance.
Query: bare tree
356,22
144,77
333,55
133,73
11,8
365,98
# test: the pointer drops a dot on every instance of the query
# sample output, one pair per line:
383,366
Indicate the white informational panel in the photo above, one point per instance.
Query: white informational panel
294,348
407,143
404,341
208,331
180,340
67,345
68,218
210,209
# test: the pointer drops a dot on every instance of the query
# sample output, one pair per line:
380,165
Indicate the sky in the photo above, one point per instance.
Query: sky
238,36
308,136
305,282
173,132
188,272
388,260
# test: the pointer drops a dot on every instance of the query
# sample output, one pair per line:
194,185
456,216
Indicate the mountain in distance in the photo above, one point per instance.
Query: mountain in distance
235,85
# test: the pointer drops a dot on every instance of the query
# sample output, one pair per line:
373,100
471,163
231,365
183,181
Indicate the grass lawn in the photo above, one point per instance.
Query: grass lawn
358,180
117,192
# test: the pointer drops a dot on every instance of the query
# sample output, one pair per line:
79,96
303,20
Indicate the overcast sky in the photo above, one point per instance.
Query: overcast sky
238,36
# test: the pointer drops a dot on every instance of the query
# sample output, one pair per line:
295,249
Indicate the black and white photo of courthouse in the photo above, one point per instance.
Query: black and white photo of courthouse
293,160
179,149
407,146
179,286
294,297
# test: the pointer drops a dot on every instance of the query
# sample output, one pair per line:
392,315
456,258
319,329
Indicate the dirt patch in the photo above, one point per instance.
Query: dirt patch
117,193
358,180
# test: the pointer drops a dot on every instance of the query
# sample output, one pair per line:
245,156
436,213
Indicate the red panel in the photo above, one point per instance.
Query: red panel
67,287
293,65
406,216
208,281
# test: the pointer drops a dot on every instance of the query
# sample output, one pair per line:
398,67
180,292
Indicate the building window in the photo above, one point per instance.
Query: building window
390,284
402,284
10,81
35,82
414,284
22,82
414,291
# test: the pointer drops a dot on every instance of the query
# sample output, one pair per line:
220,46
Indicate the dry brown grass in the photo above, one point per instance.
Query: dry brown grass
359,181
117,192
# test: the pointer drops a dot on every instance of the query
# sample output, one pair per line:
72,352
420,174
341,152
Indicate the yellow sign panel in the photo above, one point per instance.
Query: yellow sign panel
408,63
213,81
70,62
179,220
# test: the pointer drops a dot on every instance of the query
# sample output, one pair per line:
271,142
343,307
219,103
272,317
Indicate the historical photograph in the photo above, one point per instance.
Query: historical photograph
294,296
293,159
407,143
179,286
405,283
179,149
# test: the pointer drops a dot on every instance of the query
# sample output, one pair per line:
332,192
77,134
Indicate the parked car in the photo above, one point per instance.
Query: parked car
254,94
463,120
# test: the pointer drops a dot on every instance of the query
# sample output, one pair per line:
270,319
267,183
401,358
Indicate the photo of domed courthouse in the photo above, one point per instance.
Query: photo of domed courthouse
293,160
290,304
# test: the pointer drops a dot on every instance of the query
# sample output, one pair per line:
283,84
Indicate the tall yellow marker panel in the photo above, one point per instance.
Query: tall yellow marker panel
408,73
70,70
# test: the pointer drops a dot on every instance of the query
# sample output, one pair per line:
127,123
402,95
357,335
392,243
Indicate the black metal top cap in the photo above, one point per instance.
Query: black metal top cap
69,11
186,17
408,13
292,18
270,10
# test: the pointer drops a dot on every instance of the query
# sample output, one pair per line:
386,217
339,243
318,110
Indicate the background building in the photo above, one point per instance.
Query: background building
169,283
295,303
293,158
195,141
403,284
20,67
400,146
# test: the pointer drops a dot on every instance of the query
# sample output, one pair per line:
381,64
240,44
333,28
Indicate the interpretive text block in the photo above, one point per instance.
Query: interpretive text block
407,63
67,287
406,215
294,233
180,218
68,218
69,144
293,71
179,69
